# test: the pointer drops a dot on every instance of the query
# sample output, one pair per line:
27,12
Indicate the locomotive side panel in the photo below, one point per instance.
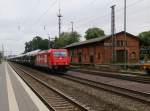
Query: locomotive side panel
41,60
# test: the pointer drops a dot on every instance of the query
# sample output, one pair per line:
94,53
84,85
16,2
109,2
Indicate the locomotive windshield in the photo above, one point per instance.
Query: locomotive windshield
60,54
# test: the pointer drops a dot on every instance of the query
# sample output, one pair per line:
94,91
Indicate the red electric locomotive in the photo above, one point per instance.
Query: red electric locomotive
54,59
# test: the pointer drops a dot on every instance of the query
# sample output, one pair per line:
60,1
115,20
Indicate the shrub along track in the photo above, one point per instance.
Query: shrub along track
138,96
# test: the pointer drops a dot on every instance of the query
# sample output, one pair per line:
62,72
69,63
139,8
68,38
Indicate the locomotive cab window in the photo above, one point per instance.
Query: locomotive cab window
60,54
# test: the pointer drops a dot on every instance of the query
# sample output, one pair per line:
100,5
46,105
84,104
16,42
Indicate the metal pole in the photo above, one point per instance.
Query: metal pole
125,38
2,51
59,22
59,19
49,40
72,26
113,32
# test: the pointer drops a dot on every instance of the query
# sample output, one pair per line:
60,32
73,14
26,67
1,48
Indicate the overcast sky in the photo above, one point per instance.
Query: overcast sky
21,20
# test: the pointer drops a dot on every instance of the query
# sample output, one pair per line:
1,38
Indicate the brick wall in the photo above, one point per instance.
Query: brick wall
98,53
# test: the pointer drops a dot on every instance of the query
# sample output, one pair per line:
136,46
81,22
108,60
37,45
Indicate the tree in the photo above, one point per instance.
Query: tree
28,46
67,38
94,33
145,38
44,44
36,43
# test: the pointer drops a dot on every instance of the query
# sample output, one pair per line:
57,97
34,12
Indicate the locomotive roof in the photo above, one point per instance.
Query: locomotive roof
99,39
43,51
50,50
55,50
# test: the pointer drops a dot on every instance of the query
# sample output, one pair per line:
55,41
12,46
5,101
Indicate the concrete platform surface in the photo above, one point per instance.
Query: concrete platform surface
15,95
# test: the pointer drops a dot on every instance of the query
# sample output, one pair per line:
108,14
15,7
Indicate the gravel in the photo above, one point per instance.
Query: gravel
95,99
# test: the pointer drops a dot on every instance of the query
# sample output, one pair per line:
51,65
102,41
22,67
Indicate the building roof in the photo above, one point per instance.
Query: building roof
97,40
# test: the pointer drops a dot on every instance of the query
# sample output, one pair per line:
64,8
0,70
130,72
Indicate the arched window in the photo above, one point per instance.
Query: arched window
133,55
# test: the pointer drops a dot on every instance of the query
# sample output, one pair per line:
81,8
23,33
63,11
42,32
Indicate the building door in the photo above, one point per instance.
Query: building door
91,59
91,54
79,57
121,56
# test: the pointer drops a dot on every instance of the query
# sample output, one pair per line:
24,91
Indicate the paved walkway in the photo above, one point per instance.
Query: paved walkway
15,95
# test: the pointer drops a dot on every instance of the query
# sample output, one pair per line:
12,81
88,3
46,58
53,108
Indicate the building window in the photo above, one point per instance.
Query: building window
85,57
99,56
121,43
126,43
133,55
118,43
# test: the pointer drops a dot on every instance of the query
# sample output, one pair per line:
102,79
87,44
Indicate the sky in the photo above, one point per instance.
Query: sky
21,20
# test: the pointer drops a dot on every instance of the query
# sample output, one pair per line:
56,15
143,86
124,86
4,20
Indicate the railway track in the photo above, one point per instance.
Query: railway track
123,76
127,92
54,100
139,96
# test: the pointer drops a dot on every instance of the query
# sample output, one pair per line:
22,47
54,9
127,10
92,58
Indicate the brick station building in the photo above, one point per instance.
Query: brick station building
101,51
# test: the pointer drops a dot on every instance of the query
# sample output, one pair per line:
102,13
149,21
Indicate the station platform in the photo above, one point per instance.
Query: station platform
15,95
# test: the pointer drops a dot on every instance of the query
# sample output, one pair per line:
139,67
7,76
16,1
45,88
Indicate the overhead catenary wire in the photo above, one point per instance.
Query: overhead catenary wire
90,19
45,12
84,21
34,8
21,24
37,21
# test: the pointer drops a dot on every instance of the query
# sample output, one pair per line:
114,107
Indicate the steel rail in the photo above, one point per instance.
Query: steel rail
41,98
82,108
140,96
135,78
